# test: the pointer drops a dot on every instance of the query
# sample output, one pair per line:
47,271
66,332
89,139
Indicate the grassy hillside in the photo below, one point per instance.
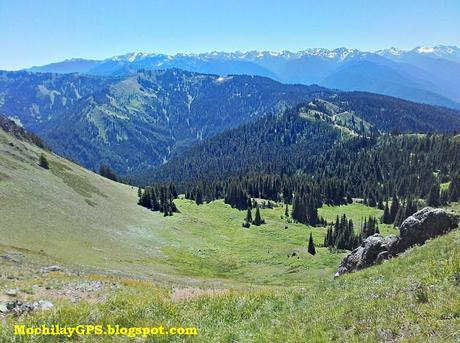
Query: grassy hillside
123,264
413,298
83,220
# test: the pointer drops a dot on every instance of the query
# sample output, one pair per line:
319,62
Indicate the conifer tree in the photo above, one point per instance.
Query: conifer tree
399,216
444,197
386,219
198,196
248,216
433,198
411,207
258,219
311,245
394,208
454,189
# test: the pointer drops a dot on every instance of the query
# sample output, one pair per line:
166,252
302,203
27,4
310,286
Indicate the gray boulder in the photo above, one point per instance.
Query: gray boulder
17,307
51,269
12,292
365,255
43,305
4,307
417,229
425,224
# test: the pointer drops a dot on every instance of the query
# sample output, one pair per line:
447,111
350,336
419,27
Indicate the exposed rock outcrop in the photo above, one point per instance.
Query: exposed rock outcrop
417,229
17,307
50,269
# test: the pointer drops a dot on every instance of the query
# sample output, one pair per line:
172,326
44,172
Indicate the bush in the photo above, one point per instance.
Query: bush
43,162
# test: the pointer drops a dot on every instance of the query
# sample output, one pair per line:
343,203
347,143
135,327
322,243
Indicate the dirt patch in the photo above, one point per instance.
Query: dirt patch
186,294
91,291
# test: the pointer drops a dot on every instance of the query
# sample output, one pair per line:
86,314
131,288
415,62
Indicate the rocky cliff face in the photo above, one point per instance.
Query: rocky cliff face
417,229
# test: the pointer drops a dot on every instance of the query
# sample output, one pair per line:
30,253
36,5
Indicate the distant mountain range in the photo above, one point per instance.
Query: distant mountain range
427,75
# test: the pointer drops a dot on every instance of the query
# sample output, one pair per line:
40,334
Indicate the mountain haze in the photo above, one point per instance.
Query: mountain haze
427,75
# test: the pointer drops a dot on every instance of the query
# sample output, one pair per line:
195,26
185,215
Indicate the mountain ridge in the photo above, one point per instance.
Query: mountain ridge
421,74
139,120
142,120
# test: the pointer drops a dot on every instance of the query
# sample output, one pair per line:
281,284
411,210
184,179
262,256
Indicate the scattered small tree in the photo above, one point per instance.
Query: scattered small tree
311,245
386,219
248,216
394,208
433,198
43,162
105,171
198,196
258,219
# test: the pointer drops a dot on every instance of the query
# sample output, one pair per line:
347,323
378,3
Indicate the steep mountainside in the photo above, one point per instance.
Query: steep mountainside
427,75
38,100
10,127
273,144
139,120
316,138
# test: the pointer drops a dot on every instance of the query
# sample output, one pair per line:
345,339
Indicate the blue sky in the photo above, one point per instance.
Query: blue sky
37,32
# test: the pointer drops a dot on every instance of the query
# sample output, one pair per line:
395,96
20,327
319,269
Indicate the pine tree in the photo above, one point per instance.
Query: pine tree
327,238
399,216
433,198
198,196
311,245
394,208
248,218
286,211
43,162
444,198
454,189
258,219
411,207
386,219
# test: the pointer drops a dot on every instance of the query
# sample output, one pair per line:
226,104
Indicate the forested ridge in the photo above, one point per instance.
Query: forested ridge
306,163
136,122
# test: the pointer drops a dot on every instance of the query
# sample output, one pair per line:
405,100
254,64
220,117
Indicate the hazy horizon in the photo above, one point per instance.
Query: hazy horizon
35,34
222,52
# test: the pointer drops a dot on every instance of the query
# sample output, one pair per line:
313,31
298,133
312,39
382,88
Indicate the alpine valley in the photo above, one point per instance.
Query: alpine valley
245,197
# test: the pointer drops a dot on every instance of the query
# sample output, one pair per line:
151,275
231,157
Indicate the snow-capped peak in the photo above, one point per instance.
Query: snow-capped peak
391,51
424,50
132,56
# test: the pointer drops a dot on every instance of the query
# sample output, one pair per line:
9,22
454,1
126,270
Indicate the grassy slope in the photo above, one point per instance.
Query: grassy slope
70,216
83,220
415,298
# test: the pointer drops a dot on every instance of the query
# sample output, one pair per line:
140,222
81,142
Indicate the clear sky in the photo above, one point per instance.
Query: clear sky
38,32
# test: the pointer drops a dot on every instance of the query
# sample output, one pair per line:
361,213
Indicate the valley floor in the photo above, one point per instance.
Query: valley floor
413,298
